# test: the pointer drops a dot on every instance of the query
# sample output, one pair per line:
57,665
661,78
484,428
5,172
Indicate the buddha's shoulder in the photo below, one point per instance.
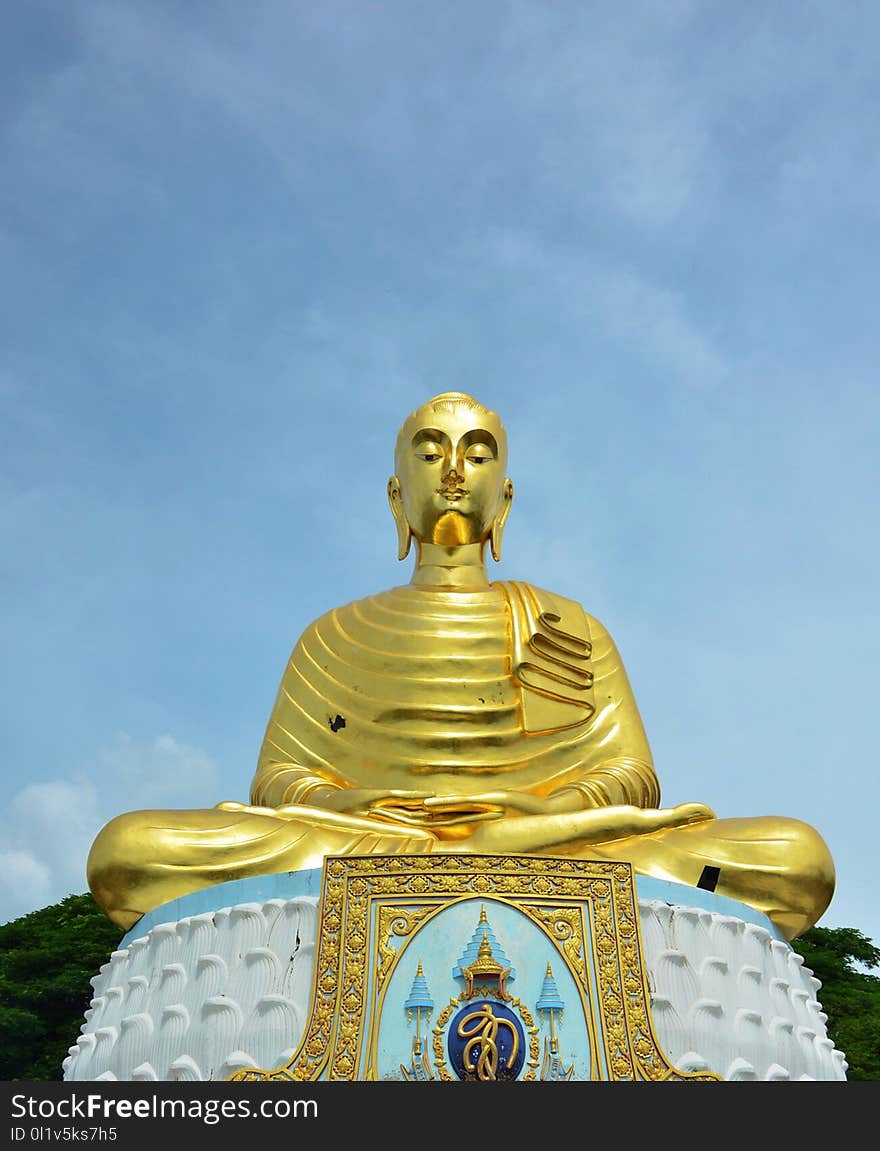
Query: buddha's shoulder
568,612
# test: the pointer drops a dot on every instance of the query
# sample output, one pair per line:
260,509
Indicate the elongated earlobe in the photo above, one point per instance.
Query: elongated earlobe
501,519
404,531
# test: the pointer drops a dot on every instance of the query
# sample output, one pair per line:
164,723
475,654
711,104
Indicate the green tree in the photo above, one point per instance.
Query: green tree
46,961
850,997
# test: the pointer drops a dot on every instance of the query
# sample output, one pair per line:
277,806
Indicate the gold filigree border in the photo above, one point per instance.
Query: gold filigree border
412,888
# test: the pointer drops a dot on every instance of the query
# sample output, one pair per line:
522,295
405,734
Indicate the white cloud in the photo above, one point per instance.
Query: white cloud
50,826
162,772
25,883
61,814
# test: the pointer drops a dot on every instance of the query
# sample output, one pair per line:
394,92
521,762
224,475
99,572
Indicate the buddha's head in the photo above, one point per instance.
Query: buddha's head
449,486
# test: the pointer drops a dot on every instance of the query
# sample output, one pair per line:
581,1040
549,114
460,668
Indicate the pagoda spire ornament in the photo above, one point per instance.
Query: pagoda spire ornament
550,1004
419,1004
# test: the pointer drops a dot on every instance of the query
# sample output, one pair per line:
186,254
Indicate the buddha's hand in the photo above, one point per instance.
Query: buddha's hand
493,805
693,812
601,824
244,808
661,818
365,802
597,825
377,803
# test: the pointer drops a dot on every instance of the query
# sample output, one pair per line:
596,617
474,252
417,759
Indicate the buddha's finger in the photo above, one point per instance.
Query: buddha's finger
664,818
509,802
468,811
395,815
692,813
391,799
244,808
452,820
467,802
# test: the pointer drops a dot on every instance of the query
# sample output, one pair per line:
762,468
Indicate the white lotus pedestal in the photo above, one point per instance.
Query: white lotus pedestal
454,967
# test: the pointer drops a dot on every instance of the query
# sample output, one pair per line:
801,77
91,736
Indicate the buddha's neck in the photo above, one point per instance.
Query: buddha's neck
452,567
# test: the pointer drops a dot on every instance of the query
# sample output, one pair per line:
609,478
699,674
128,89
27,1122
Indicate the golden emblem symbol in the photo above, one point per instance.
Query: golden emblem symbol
483,1033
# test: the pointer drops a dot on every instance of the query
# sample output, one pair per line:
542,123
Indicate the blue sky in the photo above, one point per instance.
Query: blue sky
241,243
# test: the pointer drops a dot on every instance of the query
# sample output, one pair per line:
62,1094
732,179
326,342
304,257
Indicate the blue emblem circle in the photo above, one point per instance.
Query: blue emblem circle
486,1042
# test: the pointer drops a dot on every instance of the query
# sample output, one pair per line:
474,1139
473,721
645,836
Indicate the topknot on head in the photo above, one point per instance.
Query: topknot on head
449,401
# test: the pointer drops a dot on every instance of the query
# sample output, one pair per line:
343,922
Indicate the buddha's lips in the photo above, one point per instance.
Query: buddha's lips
452,493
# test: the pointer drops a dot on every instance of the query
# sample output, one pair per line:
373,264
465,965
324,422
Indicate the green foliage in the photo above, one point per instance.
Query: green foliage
850,997
46,961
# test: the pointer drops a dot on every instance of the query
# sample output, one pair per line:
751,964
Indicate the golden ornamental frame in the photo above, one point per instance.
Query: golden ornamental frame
372,907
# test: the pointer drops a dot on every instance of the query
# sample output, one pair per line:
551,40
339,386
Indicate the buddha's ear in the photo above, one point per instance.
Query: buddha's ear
404,531
501,519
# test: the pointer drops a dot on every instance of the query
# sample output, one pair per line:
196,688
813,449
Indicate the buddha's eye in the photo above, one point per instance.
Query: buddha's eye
430,453
479,454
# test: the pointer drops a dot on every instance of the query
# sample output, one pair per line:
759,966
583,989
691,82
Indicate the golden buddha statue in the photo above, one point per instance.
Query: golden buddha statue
455,714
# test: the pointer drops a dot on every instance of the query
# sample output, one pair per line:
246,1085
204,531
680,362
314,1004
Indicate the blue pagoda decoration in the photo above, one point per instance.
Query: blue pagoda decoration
550,1000
419,1004
550,1003
472,951
419,998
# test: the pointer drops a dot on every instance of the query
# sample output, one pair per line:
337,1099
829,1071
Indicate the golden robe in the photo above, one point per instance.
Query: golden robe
457,692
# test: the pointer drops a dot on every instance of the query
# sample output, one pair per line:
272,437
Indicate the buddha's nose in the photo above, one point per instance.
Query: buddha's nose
452,478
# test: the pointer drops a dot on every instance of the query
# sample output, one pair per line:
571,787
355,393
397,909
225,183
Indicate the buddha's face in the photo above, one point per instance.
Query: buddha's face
450,464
